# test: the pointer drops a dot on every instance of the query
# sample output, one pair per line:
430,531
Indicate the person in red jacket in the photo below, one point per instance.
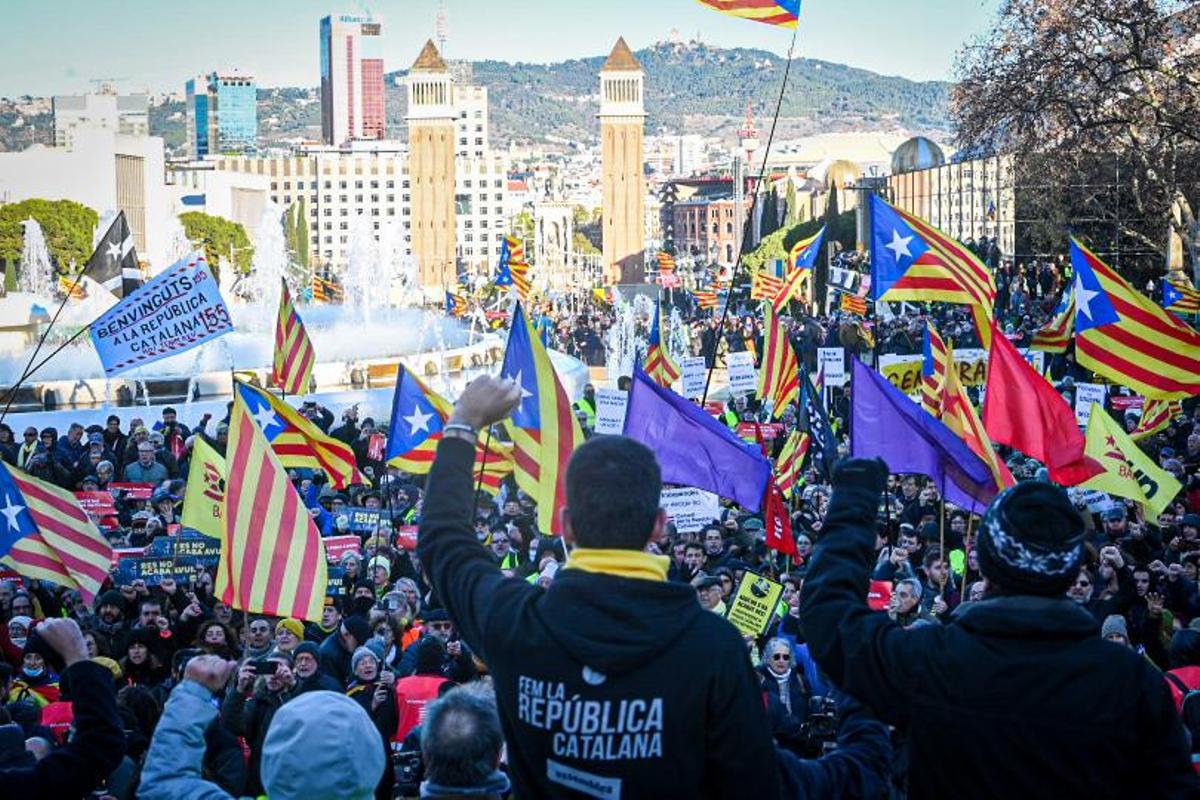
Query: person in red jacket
423,686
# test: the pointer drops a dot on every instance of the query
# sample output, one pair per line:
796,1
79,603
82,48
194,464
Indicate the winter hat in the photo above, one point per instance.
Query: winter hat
357,627
111,598
22,620
311,741
110,665
143,636
307,647
375,645
431,653
380,561
1114,624
1190,521
359,655
436,615
291,624
1031,540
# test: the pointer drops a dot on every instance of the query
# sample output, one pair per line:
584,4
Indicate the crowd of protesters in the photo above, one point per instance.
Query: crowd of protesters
210,702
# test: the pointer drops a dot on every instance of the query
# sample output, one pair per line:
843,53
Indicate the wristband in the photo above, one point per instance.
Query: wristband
460,430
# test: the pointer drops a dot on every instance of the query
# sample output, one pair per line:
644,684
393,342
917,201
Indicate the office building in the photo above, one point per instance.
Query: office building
127,114
352,95
222,114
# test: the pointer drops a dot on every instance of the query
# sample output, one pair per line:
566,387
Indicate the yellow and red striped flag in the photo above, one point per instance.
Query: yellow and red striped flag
783,13
706,298
797,283
294,354
1055,335
47,536
272,558
853,304
522,282
779,375
666,261
1127,338
298,441
1179,296
791,461
960,417
765,286
1156,416
661,368
543,429
933,370
418,416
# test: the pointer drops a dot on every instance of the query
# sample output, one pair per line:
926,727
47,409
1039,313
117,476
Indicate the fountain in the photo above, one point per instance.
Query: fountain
626,339
358,344
37,273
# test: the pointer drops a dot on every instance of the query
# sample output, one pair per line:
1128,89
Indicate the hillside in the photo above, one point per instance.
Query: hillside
690,88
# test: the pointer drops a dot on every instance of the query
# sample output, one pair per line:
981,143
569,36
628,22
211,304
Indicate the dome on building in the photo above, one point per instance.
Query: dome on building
917,153
841,173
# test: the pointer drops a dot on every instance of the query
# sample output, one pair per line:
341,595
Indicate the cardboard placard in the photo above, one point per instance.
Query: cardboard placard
879,595
690,508
99,504
754,604
133,491
337,546
693,374
406,537
334,586
610,411
153,570
364,520
1085,395
833,361
742,376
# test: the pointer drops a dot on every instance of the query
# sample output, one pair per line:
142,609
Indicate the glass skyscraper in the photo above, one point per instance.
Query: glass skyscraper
222,114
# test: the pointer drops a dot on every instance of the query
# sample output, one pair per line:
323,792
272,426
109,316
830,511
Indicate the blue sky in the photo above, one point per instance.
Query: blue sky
58,46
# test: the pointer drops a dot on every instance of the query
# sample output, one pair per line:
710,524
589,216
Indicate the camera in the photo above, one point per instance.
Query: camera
263,667
819,731
410,770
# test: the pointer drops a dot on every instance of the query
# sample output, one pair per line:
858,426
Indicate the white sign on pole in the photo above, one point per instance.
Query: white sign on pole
610,411
1085,395
742,377
693,371
833,361
690,508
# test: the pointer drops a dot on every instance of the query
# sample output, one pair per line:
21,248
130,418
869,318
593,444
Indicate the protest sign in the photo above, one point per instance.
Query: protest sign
1085,395
336,546
151,569
751,431
364,520
334,586
742,377
132,491
174,312
690,508
189,548
693,374
610,411
904,371
406,537
99,504
879,595
833,361
754,604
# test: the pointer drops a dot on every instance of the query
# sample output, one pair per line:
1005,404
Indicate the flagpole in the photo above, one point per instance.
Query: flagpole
942,535
747,225
966,558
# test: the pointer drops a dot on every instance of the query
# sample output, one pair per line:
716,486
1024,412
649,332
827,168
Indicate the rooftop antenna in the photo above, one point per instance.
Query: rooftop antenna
442,27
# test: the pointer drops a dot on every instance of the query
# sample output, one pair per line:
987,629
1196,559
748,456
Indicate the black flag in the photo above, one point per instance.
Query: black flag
114,264
814,420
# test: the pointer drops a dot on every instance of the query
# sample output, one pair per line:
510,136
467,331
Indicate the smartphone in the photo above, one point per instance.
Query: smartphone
264,667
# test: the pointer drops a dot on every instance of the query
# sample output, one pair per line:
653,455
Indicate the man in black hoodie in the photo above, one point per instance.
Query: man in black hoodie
613,682
1004,698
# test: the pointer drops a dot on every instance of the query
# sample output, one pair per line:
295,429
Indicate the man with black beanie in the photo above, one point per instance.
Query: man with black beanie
1017,695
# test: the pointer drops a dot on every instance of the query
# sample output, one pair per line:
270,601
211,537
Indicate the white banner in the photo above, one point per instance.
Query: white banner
833,361
693,375
689,508
742,376
176,311
1085,395
610,411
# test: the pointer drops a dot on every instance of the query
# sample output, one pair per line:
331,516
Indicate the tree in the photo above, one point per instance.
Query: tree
770,212
67,225
302,235
289,231
1098,102
221,239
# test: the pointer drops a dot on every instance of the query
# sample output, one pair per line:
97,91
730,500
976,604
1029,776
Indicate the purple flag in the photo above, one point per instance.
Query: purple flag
694,449
886,423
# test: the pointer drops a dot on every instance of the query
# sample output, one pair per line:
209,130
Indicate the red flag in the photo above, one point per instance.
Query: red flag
1023,411
777,523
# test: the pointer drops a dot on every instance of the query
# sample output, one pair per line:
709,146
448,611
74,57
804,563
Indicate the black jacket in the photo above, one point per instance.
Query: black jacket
96,750
615,684
1015,697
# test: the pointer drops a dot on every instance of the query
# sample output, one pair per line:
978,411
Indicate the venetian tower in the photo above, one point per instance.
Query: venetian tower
622,120
431,168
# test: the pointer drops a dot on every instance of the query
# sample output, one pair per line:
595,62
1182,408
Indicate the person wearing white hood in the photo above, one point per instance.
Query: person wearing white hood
310,743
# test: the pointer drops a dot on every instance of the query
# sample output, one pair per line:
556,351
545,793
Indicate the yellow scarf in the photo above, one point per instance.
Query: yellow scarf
622,563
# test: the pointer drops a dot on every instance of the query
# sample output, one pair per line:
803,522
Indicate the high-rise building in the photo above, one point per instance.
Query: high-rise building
471,119
622,122
127,114
352,96
431,167
222,114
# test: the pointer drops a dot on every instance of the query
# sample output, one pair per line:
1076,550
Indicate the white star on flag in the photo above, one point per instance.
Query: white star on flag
899,244
1083,297
114,251
525,393
265,417
418,421
13,512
